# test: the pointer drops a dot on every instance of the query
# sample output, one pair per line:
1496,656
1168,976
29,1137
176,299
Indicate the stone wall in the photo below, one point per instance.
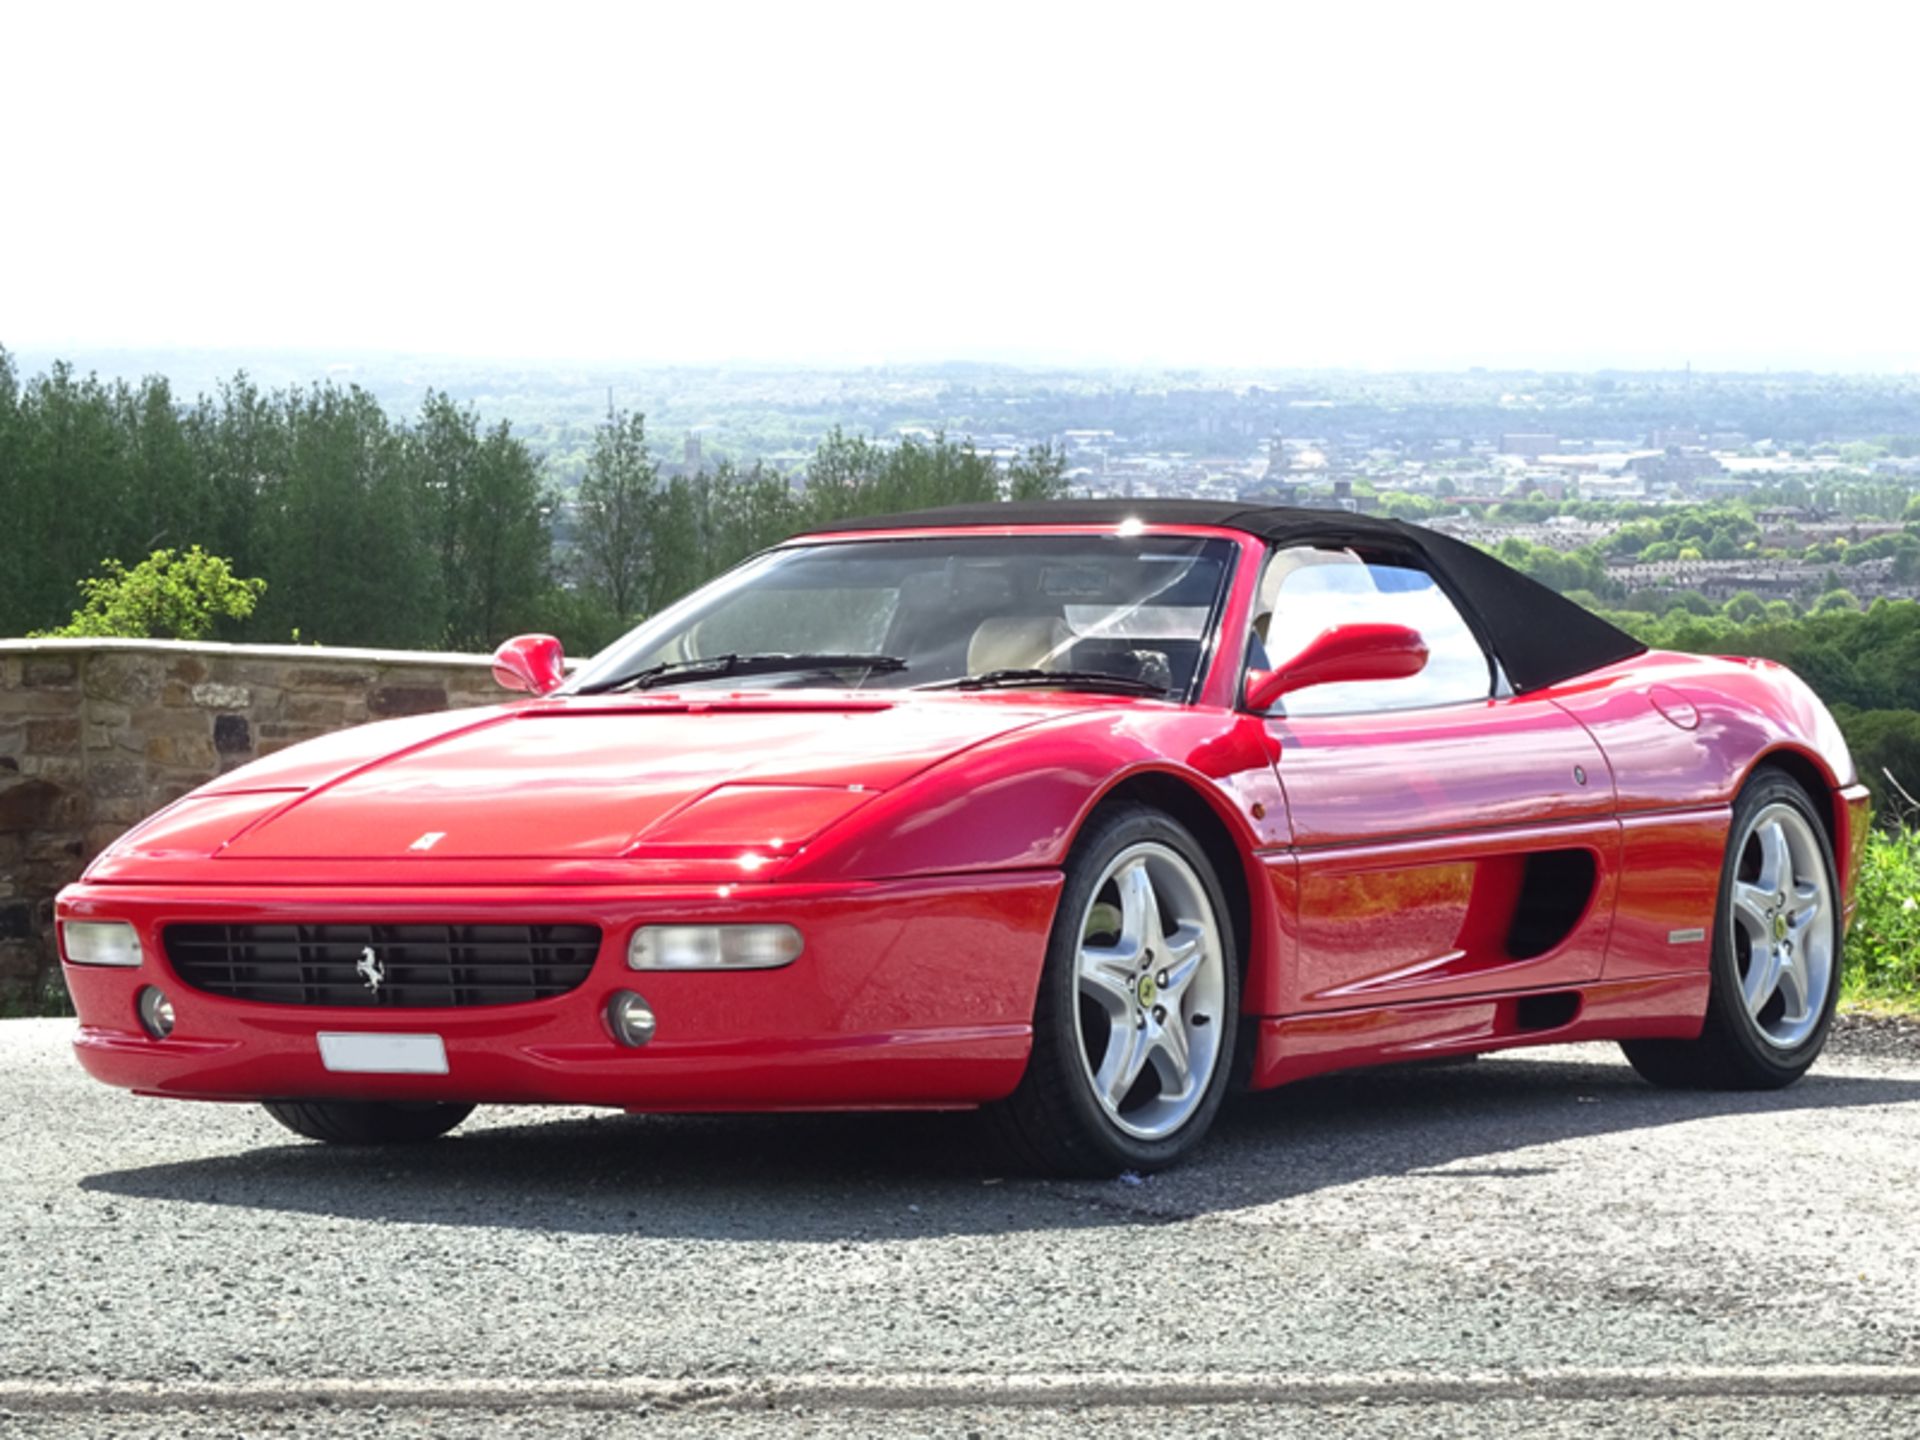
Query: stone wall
97,734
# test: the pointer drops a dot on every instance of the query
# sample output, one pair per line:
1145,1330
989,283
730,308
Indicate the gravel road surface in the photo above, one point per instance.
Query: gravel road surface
1536,1244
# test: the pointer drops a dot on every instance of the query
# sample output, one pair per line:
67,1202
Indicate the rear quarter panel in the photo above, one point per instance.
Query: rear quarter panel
1682,734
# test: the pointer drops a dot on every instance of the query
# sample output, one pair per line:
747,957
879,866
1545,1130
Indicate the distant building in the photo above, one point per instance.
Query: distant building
1530,446
1277,466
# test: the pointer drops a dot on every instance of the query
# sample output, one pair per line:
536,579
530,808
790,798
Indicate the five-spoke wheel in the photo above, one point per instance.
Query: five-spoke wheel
1152,978
1783,933
1135,1022
1776,951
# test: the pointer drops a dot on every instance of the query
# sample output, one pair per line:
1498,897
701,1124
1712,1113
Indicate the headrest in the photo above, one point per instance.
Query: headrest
1017,642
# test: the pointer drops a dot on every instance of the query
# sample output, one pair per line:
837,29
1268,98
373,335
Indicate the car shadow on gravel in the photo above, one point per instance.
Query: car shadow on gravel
833,1178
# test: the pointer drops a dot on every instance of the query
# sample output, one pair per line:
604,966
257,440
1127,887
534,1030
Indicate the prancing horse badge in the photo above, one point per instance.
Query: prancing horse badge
370,969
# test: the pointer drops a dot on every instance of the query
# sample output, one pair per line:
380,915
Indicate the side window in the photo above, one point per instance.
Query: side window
1305,590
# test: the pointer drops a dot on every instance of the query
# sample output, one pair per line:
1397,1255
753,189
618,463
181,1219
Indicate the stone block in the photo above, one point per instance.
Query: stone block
315,677
316,712
128,678
49,672
188,670
55,735
182,752
28,805
113,778
53,849
60,769
20,703
221,697
391,700
16,919
254,672
232,734
121,810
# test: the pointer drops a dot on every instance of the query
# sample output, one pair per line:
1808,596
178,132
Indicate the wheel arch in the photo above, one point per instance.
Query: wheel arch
1227,849
1812,775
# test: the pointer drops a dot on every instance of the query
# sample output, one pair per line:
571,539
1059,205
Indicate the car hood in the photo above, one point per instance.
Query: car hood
568,780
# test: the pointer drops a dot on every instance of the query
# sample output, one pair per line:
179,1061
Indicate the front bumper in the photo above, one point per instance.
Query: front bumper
909,993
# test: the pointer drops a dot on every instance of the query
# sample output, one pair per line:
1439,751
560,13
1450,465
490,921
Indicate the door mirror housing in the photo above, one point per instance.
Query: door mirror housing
1341,654
535,664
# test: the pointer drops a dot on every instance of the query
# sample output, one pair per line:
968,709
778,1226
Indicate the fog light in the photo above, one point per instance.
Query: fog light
100,942
630,1018
156,1013
713,947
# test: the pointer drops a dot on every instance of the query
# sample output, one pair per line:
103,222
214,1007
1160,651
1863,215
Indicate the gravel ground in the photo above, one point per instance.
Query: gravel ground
1572,1247
1889,1037
1749,1419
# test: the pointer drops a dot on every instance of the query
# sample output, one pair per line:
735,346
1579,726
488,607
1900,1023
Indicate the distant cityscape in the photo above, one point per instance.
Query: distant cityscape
1816,464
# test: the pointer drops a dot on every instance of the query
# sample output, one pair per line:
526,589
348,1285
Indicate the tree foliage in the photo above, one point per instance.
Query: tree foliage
169,595
431,532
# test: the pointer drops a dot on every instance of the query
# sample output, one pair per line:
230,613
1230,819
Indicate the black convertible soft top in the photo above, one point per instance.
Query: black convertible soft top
1540,636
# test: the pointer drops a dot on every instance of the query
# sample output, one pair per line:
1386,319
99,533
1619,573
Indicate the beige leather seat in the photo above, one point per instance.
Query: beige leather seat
1018,642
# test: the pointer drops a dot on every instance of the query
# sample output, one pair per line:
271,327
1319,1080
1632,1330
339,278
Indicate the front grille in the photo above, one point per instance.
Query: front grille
427,965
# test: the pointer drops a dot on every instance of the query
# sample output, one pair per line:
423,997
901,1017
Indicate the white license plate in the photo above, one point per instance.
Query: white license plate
352,1054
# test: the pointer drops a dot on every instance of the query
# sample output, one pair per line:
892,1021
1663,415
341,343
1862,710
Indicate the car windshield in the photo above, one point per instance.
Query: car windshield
933,610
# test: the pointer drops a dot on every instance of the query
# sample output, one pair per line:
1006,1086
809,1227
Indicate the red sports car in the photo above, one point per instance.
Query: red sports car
1081,811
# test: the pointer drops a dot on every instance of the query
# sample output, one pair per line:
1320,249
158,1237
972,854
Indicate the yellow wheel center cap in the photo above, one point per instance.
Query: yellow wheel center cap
1779,927
1146,990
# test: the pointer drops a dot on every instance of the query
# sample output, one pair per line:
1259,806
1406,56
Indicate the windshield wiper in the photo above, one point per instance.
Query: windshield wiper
714,667
1049,680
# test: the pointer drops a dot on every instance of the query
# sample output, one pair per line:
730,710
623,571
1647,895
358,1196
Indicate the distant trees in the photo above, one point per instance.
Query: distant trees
618,543
642,539
490,510
434,531
371,533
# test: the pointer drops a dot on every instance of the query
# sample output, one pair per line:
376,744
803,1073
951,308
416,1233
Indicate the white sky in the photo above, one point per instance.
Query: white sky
1334,184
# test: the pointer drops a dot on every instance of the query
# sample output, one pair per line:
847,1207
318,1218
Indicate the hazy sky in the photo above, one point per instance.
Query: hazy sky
1275,184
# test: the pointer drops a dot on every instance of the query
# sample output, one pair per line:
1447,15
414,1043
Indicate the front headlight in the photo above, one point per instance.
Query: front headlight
100,942
713,947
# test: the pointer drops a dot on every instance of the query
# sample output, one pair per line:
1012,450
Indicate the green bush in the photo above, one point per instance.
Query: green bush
1883,949
169,595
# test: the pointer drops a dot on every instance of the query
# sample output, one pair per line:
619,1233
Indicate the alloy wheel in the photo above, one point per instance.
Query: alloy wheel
1785,926
1151,985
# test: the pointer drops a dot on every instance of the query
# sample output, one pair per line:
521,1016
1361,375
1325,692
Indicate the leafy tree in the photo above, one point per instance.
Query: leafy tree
169,595
491,519
348,536
1040,474
617,510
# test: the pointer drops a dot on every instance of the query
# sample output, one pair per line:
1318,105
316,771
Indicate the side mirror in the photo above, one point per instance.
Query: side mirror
1338,654
533,663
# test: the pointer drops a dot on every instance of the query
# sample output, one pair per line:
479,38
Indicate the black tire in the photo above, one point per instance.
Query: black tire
371,1122
1731,1052
1053,1123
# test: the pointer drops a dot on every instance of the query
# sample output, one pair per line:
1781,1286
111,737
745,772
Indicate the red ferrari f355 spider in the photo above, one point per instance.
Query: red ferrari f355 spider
1083,812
